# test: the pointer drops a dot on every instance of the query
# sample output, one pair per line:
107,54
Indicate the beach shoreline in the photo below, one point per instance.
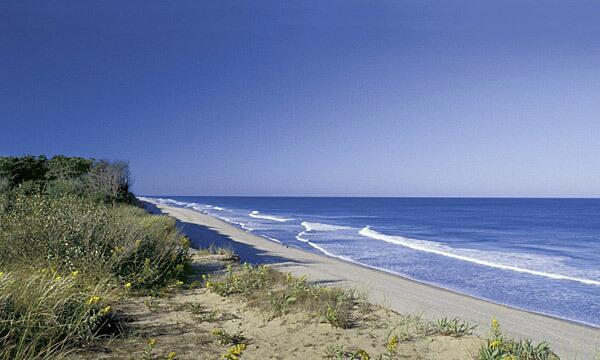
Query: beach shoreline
567,338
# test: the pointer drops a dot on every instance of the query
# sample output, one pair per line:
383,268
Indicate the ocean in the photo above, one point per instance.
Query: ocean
541,255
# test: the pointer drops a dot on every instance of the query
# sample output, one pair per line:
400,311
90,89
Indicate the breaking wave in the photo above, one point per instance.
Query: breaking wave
468,255
257,215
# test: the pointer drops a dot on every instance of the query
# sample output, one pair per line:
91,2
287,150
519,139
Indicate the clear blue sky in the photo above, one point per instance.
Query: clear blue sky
374,98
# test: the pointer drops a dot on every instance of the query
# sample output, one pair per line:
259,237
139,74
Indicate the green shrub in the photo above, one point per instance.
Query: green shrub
97,180
21,169
63,187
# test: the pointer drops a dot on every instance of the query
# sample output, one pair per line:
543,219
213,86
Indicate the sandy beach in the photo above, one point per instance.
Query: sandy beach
568,339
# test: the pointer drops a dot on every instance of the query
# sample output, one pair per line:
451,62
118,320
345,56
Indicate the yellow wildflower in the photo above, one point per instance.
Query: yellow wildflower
57,277
178,283
128,286
93,300
495,343
1,273
363,355
105,310
75,273
495,323
185,242
151,342
234,352
171,355
392,344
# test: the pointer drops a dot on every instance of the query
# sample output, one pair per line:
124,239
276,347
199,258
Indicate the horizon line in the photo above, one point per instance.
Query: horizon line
386,197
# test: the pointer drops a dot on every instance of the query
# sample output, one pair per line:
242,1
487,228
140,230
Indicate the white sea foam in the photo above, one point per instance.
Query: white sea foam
242,225
271,238
312,226
257,215
467,255
299,237
321,249
171,201
246,227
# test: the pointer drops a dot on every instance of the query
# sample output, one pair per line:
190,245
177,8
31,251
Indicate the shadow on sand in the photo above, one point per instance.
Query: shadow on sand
203,237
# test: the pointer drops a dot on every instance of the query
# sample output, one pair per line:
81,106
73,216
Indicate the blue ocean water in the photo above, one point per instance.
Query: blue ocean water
541,255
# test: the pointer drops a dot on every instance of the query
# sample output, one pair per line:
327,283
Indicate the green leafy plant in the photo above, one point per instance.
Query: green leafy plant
498,347
454,327
337,352
225,338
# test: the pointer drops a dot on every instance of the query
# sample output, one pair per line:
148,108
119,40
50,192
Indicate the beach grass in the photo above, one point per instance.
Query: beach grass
279,293
66,262
43,314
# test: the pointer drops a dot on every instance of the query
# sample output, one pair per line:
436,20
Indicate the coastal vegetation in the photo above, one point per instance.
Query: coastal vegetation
71,246
499,347
277,294
86,273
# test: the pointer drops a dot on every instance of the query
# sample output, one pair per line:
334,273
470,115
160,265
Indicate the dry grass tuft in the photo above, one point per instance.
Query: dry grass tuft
265,288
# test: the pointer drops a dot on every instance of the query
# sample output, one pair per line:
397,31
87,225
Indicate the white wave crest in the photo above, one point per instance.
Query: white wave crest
272,239
257,215
170,201
310,226
299,237
439,249
241,225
